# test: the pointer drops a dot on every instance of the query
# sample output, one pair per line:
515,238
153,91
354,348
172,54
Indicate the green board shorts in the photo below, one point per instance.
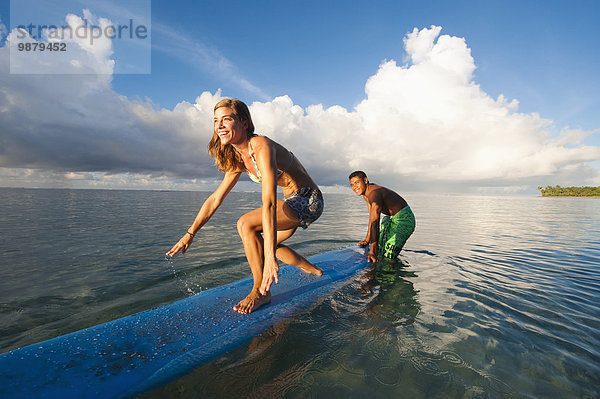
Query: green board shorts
394,231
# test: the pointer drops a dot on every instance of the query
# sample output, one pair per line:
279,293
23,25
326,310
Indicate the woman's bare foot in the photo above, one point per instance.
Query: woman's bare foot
253,301
291,257
310,268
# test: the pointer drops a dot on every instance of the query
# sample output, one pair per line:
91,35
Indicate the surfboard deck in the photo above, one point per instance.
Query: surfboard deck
133,354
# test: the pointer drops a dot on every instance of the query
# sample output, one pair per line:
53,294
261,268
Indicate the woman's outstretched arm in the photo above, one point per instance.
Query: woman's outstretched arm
209,207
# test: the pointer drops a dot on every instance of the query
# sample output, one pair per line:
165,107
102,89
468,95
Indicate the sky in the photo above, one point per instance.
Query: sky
489,97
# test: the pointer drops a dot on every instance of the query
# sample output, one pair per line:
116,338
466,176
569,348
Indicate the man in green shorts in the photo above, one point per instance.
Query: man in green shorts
388,234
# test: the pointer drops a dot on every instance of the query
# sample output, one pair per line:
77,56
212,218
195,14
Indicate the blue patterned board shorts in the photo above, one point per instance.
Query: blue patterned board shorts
308,203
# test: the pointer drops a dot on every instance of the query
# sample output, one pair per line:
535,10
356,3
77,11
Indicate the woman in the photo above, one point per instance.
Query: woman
237,149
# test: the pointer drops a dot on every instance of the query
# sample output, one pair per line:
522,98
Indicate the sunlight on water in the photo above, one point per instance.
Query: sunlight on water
492,297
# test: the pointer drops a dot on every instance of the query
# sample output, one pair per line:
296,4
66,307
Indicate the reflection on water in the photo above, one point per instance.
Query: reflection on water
346,336
492,297
390,293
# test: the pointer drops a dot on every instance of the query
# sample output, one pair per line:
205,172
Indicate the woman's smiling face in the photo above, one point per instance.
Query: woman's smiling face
229,128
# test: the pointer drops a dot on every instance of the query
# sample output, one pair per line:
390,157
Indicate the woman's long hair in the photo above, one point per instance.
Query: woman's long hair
226,157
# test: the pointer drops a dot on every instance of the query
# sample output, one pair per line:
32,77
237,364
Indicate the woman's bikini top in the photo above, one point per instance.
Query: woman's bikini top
258,178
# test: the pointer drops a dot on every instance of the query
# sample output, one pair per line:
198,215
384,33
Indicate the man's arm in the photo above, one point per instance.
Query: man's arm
365,242
373,231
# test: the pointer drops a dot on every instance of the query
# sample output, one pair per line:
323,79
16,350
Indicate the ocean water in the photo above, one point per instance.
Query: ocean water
492,296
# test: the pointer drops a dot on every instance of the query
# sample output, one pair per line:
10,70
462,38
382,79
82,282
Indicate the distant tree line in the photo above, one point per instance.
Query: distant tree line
558,191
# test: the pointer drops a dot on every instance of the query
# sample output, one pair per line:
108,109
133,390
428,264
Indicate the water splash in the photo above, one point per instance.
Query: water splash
180,278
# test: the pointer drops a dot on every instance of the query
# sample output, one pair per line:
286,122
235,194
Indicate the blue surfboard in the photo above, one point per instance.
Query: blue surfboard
130,355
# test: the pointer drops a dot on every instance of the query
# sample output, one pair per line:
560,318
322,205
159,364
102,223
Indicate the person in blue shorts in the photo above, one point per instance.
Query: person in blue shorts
388,234
237,149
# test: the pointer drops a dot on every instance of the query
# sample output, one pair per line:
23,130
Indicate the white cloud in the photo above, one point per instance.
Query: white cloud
77,123
84,52
430,121
420,123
